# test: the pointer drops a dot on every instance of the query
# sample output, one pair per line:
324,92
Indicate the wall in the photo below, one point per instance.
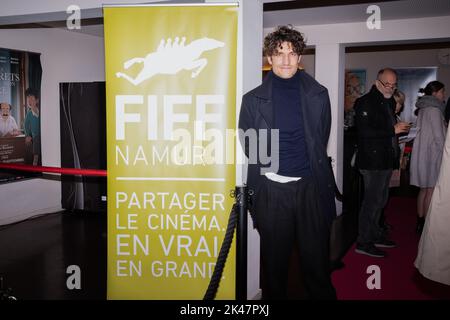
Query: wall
49,7
249,62
249,76
65,56
374,61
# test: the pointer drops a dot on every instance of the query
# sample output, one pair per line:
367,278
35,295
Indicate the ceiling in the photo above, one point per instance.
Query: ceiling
390,10
297,13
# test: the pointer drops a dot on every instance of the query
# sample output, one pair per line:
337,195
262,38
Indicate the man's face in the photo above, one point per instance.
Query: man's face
5,110
285,62
387,83
32,101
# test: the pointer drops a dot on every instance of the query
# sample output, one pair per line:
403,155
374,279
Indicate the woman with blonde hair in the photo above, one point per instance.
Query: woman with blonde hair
399,98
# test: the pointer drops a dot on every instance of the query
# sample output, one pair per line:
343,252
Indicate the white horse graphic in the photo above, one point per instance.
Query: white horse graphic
170,58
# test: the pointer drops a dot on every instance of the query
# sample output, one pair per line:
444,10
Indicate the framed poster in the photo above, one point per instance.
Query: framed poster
20,122
355,86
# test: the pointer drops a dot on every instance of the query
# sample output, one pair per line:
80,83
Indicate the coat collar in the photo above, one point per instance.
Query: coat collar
376,94
308,86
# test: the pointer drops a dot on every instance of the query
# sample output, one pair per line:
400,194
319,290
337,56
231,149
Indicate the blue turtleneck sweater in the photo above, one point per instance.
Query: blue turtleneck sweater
288,118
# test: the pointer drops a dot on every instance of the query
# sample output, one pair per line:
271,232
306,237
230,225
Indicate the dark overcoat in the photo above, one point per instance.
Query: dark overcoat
257,113
375,130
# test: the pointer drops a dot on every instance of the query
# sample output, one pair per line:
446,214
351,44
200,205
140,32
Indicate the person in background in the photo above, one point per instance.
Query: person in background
399,98
32,125
8,125
428,145
376,129
352,92
351,183
433,256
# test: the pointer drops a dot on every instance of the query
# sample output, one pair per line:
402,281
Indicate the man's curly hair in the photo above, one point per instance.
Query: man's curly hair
287,33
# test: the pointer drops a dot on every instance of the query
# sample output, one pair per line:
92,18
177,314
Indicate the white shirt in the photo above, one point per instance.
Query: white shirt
279,178
7,126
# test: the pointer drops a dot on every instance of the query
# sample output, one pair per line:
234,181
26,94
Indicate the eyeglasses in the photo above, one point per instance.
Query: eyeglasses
388,85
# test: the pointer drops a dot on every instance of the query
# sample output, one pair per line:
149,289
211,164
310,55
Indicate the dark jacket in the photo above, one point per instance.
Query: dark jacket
257,113
375,131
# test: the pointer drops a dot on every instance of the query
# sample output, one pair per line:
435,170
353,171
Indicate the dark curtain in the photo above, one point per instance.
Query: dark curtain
34,71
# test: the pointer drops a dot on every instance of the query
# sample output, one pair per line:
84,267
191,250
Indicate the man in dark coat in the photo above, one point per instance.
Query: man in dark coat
376,128
293,200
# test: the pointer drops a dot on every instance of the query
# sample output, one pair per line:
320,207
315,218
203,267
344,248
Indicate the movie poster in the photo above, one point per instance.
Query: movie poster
355,87
20,122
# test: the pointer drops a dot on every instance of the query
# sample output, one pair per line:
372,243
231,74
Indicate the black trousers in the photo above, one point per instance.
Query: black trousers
288,212
376,195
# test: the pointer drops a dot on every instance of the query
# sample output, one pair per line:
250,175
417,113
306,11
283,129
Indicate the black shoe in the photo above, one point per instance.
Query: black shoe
387,226
384,231
385,243
370,250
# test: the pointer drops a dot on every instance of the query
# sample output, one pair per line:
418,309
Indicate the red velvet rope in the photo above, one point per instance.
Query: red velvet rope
64,171
408,149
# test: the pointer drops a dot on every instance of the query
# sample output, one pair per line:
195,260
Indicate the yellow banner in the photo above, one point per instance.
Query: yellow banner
171,92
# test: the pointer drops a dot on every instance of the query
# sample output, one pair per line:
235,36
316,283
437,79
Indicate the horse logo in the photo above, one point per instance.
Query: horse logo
172,57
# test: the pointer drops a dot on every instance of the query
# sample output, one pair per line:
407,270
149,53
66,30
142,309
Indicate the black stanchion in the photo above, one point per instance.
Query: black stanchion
237,219
5,294
241,244
213,286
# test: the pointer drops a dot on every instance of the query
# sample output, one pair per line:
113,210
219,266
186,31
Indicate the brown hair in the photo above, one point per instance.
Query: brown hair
282,34
432,87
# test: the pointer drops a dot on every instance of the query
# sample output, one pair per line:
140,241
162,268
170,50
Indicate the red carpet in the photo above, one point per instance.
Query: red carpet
400,280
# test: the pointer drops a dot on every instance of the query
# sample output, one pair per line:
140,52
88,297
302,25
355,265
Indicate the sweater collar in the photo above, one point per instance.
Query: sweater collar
430,101
290,83
308,85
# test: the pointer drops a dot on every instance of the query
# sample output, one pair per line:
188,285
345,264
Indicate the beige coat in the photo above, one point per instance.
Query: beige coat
433,258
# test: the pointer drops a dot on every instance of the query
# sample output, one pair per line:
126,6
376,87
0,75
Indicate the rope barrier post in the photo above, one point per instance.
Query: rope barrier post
241,243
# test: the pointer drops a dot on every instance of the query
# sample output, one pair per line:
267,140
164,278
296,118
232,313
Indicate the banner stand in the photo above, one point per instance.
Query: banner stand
171,135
